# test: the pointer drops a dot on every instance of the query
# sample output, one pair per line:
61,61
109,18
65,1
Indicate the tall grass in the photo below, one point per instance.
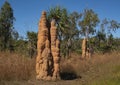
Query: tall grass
16,67
99,70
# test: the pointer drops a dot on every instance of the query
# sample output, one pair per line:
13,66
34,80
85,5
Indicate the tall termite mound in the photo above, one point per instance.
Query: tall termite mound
48,51
55,51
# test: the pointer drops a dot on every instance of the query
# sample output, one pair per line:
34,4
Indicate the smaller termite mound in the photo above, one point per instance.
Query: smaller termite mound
86,51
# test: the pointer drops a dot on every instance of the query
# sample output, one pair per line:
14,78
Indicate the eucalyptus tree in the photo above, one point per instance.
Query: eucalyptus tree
110,26
100,35
87,24
71,33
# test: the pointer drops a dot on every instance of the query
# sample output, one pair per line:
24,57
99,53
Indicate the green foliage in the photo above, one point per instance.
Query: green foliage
104,38
110,25
88,22
60,15
32,43
67,27
6,26
69,34
20,47
71,26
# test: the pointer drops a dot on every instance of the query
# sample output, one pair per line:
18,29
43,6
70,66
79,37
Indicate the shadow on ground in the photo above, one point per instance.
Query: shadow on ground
69,76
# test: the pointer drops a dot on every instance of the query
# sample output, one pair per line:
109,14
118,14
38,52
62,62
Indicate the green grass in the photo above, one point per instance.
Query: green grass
110,74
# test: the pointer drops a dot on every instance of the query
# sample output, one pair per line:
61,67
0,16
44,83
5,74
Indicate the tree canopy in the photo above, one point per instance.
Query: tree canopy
6,26
72,28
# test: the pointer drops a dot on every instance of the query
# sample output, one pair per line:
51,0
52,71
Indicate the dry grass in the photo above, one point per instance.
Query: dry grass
99,70
16,67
